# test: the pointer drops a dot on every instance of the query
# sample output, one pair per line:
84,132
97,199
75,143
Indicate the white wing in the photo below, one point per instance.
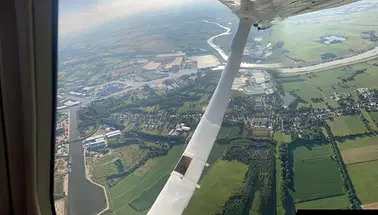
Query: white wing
183,181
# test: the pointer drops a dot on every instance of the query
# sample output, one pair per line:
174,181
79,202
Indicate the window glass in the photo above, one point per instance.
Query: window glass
299,132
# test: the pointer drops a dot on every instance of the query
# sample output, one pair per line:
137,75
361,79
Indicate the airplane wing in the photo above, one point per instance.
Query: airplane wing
263,12
179,189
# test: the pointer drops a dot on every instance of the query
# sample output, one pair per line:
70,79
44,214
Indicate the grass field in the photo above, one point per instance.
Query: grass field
217,185
359,150
145,199
302,89
260,132
280,210
281,137
216,152
144,177
345,125
371,122
364,178
256,204
228,131
310,164
311,28
335,202
362,154
329,81
374,116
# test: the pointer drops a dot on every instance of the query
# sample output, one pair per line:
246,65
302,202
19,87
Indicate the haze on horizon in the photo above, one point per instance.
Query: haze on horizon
75,16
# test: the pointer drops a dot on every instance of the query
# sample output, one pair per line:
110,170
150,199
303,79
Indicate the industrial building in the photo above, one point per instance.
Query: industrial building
97,144
93,139
113,134
71,103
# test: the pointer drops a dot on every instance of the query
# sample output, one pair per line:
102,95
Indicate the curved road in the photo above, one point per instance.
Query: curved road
368,55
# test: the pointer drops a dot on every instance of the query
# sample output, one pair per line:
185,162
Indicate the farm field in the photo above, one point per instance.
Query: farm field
222,179
215,153
228,132
260,132
368,117
345,125
134,184
331,80
281,137
302,89
145,199
279,208
312,28
364,178
359,150
308,86
374,116
310,164
334,202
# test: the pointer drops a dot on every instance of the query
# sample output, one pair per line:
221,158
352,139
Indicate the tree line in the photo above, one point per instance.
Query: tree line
348,185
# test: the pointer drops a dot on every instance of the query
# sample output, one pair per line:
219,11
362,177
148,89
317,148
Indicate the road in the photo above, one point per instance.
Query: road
371,54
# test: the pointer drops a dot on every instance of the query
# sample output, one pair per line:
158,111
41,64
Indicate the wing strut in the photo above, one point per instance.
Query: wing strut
183,181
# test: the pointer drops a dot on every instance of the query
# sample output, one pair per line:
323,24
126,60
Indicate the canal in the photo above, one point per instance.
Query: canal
84,198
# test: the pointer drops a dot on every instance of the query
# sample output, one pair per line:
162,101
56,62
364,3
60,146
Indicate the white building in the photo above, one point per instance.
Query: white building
93,139
98,143
113,134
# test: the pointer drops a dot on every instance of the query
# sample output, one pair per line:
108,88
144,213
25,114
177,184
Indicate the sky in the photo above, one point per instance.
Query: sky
78,15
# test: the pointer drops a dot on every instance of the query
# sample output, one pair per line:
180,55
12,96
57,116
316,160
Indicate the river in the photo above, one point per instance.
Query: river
84,198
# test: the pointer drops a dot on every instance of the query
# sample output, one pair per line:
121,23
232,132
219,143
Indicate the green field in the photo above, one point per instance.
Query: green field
310,164
222,179
134,184
362,155
368,117
281,137
305,47
228,132
308,86
260,132
335,202
364,178
279,208
345,125
359,150
358,143
374,116
145,199
216,152
256,204
302,89
330,80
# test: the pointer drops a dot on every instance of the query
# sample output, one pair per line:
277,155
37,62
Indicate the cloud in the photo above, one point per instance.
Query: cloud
104,11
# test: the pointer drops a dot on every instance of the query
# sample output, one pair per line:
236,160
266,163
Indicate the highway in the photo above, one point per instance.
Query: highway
368,55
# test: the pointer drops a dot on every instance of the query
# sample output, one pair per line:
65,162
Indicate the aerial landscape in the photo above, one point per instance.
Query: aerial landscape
132,90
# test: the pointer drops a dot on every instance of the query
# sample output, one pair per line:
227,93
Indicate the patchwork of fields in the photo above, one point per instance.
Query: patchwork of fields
135,189
361,157
312,185
306,48
346,125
